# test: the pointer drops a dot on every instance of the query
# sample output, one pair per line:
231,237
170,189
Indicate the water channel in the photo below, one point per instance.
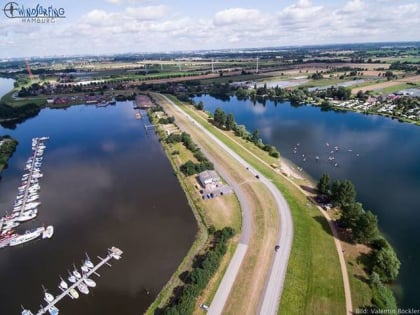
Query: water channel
379,155
106,182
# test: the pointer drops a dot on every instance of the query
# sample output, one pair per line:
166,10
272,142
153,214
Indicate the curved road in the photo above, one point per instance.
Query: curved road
270,299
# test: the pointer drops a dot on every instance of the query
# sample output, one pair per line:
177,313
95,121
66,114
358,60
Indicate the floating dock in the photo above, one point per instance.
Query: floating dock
113,252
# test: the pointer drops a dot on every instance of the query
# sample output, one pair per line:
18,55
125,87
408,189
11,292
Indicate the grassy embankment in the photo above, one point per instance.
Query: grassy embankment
313,282
250,280
9,100
219,212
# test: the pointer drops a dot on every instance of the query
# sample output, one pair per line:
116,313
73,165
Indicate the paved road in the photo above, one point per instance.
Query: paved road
274,285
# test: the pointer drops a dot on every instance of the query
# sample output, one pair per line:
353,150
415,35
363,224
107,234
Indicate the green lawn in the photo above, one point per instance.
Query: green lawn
9,100
399,87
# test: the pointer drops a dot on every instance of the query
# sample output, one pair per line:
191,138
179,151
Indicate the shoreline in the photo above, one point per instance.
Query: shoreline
5,156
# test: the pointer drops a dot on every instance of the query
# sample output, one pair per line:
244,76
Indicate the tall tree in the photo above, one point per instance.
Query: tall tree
365,228
219,117
200,105
350,215
324,184
255,136
343,193
386,264
230,122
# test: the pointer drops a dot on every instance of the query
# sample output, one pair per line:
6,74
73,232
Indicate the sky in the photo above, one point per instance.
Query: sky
138,26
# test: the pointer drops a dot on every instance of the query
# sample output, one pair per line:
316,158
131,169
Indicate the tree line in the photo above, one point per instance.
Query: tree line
195,281
190,168
382,263
227,122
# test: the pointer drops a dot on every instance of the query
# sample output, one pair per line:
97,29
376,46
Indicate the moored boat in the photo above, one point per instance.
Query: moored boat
76,273
48,232
28,236
83,288
53,310
73,293
63,284
72,278
89,282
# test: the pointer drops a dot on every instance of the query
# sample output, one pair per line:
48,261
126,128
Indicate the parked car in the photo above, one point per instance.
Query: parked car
204,306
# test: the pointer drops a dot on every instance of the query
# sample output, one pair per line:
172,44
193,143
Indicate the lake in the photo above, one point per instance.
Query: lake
106,183
379,155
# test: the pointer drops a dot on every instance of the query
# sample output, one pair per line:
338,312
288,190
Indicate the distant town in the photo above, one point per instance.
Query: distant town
370,78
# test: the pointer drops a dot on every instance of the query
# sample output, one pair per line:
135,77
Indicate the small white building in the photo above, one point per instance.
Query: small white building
209,177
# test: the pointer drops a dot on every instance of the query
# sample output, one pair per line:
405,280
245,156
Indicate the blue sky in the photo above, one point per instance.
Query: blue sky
118,26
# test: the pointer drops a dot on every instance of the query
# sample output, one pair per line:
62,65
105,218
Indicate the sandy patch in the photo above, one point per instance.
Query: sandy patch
289,170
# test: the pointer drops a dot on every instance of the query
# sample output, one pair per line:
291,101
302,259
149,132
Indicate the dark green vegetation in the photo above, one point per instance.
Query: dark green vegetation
381,263
189,167
7,148
227,122
10,115
205,265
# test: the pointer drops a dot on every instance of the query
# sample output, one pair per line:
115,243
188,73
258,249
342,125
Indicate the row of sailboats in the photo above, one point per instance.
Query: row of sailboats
76,279
25,207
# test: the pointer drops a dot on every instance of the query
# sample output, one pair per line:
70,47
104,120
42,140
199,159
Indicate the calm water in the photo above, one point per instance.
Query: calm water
105,183
381,156
6,85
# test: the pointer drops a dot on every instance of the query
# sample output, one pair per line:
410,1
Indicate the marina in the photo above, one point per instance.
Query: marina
81,283
26,204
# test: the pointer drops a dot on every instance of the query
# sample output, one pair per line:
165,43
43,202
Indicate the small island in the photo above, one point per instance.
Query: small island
7,148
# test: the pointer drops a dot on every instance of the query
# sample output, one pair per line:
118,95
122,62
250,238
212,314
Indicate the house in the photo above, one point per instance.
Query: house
208,178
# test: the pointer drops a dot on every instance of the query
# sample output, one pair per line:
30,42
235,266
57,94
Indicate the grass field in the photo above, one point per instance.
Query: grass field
9,100
313,282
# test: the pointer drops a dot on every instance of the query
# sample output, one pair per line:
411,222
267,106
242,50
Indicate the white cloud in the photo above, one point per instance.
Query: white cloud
354,5
131,28
237,16
148,13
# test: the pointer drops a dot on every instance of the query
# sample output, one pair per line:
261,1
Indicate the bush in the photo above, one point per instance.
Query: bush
201,274
382,296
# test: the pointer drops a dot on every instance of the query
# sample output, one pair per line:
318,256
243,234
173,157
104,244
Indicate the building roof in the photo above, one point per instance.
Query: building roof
209,176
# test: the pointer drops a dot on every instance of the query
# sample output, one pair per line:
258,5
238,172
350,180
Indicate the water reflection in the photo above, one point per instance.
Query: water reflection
105,183
383,164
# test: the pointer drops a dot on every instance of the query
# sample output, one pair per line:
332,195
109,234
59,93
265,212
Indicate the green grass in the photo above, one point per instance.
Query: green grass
322,82
9,100
242,77
399,87
313,281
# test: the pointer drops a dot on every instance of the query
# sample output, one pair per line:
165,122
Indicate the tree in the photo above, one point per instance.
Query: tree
240,131
386,264
219,117
350,215
365,228
382,296
200,105
255,136
324,184
343,193
230,122
389,75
